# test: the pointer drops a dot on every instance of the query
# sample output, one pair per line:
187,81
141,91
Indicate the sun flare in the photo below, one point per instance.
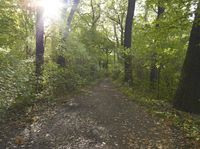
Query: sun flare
52,8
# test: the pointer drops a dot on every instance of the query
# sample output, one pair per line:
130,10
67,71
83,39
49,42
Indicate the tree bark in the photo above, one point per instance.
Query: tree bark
154,72
128,78
39,47
117,44
146,11
70,18
187,96
122,33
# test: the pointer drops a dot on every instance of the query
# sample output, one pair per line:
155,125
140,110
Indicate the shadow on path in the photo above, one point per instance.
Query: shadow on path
98,118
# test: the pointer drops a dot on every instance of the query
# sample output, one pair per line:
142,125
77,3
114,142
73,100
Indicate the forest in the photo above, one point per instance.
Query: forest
134,61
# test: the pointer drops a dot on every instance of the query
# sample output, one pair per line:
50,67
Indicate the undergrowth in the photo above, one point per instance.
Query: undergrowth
186,122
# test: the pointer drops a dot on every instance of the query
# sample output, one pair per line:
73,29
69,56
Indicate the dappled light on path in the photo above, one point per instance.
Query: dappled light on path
100,118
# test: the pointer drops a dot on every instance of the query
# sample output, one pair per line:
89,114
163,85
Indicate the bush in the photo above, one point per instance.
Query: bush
16,81
58,79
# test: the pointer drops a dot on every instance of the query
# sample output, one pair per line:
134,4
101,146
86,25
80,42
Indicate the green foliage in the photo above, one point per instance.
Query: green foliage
169,41
189,124
16,23
16,80
79,67
90,49
58,79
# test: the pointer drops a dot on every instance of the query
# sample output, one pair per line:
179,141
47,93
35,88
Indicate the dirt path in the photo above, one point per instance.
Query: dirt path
98,118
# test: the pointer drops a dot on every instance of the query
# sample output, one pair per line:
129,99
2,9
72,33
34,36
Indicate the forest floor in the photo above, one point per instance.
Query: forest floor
99,117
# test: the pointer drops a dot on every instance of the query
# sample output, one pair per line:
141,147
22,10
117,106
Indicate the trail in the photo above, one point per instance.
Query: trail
98,118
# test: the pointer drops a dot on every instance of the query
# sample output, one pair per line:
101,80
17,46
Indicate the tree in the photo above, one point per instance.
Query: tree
117,13
187,96
61,59
117,43
70,18
155,72
39,46
127,42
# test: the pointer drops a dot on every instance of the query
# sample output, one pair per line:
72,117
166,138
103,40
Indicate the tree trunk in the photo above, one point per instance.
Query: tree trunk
70,18
187,96
117,44
122,33
115,34
146,11
107,59
127,42
154,70
39,47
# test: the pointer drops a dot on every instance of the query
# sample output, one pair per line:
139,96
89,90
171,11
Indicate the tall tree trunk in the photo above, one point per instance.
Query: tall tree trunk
146,11
115,34
117,44
187,96
127,42
107,59
61,59
70,18
39,47
154,72
122,33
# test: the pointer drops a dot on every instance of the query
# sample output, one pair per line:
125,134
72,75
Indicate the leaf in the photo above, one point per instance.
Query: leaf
19,140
